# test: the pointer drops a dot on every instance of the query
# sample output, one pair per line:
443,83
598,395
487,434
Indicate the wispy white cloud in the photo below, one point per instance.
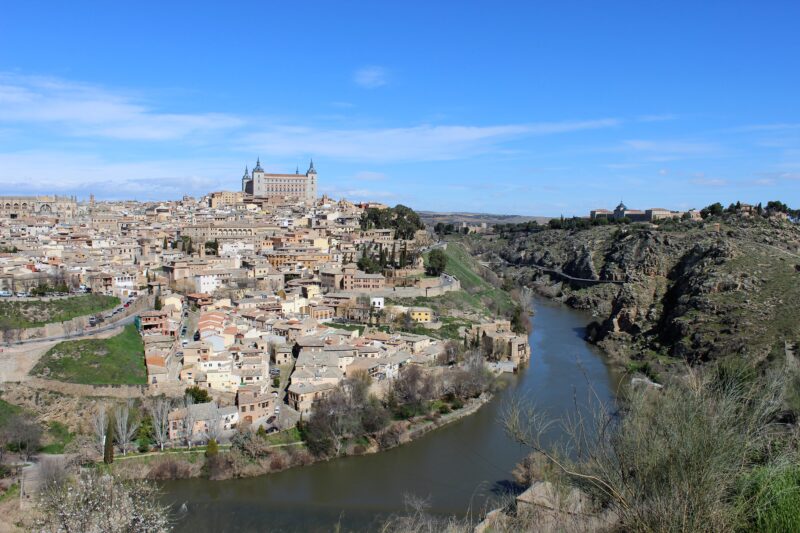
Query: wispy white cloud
668,150
656,118
367,175
71,173
371,77
416,143
704,181
85,110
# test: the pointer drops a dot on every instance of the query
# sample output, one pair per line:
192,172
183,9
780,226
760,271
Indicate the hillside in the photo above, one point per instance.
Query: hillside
431,218
31,313
689,291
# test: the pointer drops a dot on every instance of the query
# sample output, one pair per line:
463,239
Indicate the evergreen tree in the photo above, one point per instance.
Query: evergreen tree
164,246
212,448
393,257
108,445
382,257
403,257
157,303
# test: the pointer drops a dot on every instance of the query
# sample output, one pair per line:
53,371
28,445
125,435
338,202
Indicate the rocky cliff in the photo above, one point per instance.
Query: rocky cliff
691,291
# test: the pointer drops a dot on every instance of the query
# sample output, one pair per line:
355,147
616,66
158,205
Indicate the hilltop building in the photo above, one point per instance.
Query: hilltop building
636,215
260,184
65,207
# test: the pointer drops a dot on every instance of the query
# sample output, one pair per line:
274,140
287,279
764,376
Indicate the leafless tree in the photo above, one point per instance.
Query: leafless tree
53,472
159,410
214,424
25,434
100,425
126,426
189,420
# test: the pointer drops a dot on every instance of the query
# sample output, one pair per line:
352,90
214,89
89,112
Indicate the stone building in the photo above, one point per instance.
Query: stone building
63,207
260,184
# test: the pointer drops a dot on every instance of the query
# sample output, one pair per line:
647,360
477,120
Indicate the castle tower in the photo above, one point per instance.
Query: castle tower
245,179
311,190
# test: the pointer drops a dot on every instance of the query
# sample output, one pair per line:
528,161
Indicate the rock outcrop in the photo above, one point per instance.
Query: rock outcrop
691,291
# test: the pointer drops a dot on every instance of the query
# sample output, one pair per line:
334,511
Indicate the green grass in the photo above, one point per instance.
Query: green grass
462,265
35,313
12,492
7,412
483,294
59,436
118,360
288,436
772,493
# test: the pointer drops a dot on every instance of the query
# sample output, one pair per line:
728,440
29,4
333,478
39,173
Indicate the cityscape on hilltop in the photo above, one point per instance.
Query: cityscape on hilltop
399,267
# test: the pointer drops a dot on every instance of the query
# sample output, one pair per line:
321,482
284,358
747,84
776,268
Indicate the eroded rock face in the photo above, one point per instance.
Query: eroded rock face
692,291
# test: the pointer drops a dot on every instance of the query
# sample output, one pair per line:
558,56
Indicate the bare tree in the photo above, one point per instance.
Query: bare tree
189,420
53,472
126,426
214,424
100,425
25,434
159,412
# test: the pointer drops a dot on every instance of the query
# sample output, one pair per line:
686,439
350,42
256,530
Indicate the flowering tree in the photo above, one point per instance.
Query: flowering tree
96,503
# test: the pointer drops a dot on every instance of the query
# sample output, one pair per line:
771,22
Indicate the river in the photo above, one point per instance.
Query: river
458,469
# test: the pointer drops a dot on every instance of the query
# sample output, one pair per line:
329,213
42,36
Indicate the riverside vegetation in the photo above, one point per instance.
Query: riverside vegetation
706,309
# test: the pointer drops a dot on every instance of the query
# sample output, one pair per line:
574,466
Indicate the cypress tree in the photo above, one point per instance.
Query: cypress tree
212,449
392,259
108,445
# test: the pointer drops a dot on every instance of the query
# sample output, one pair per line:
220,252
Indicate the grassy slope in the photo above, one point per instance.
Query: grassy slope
34,313
7,411
117,360
477,294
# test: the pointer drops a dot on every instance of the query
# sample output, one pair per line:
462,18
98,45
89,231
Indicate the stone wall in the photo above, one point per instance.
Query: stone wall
173,390
78,325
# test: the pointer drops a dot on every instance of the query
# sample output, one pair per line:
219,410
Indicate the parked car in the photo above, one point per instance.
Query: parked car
271,419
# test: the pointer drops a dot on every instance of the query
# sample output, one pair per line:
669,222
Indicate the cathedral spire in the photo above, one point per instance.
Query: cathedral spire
311,169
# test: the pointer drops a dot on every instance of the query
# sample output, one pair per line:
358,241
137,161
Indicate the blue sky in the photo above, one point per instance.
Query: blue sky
540,108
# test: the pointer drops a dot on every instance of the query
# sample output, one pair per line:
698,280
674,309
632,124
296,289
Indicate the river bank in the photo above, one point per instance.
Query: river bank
461,469
193,463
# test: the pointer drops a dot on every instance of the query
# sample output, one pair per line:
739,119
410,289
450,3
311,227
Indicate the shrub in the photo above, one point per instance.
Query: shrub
772,493
277,462
390,437
169,468
212,448
677,456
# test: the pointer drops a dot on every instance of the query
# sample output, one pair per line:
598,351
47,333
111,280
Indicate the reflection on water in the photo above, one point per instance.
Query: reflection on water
460,468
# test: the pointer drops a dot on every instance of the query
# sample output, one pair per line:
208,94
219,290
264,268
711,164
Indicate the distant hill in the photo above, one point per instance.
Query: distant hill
431,218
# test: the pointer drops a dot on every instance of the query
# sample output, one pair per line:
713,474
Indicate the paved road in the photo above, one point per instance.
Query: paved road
88,332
